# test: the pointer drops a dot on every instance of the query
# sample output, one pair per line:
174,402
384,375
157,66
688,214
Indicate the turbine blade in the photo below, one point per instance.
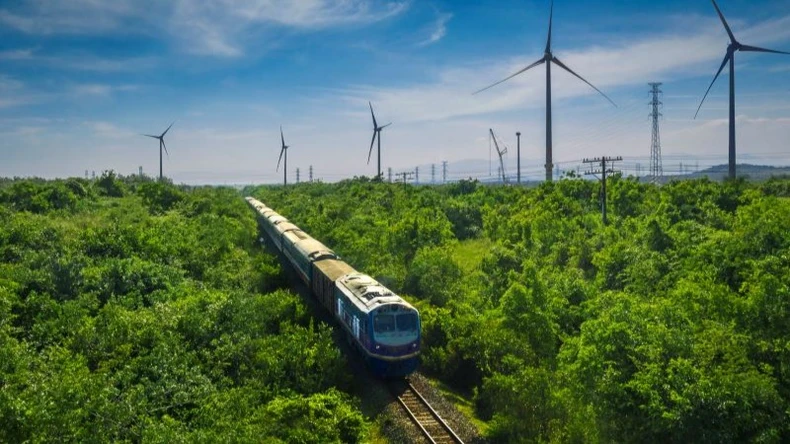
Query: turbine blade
548,39
375,125
724,22
382,127
726,59
562,65
748,48
371,145
541,61
165,147
148,135
282,137
281,158
168,129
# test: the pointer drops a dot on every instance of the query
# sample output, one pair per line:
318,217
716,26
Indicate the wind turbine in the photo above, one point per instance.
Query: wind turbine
283,150
376,132
733,46
548,58
501,153
161,145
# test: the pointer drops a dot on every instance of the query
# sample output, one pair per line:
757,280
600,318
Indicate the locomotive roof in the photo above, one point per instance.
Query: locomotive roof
334,268
369,292
275,219
285,226
314,249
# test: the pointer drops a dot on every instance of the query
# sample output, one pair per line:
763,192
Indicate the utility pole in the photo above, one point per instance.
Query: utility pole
389,174
416,174
557,171
603,171
406,175
518,157
444,171
656,169
310,173
140,169
433,173
297,175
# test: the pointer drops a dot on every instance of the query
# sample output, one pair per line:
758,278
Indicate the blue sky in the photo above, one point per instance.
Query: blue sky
79,80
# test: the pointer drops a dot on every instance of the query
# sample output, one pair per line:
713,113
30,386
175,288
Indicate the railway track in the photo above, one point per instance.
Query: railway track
432,426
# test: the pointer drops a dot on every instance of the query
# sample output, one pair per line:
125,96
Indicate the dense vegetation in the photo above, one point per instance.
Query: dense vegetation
670,324
135,311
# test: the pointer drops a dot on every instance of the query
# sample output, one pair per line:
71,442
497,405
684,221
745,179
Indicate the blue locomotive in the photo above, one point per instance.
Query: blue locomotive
380,324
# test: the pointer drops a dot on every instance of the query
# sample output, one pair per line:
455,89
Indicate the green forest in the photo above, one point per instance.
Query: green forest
669,324
137,311
141,311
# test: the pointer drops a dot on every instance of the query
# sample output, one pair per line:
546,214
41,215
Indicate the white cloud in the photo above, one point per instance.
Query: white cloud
17,54
439,30
79,61
88,17
92,90
100,89
14,93
213,27
657,57
221,27
9,84
108,130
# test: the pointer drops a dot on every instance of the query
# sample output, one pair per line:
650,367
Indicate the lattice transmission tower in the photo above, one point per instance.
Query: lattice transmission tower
656,170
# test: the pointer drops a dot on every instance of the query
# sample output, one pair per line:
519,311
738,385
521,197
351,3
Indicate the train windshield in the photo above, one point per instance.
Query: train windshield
384,323
407,322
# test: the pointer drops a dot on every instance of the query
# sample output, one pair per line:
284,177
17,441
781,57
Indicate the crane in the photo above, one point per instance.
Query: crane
501,153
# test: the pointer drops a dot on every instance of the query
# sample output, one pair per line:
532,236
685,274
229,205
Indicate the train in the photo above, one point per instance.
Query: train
381,325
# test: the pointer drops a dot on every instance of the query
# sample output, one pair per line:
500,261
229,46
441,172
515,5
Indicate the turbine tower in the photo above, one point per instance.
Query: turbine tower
376,133
732,47
162,145
283,150
548,58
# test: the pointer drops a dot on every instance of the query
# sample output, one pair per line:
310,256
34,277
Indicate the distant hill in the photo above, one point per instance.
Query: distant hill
752,172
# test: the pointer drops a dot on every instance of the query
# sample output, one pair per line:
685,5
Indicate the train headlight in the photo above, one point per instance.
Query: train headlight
414,345
378,347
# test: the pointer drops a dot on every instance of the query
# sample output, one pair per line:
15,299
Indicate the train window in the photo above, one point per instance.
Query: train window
383,323
407,322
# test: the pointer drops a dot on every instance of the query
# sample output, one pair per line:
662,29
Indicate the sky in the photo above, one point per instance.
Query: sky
81,80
